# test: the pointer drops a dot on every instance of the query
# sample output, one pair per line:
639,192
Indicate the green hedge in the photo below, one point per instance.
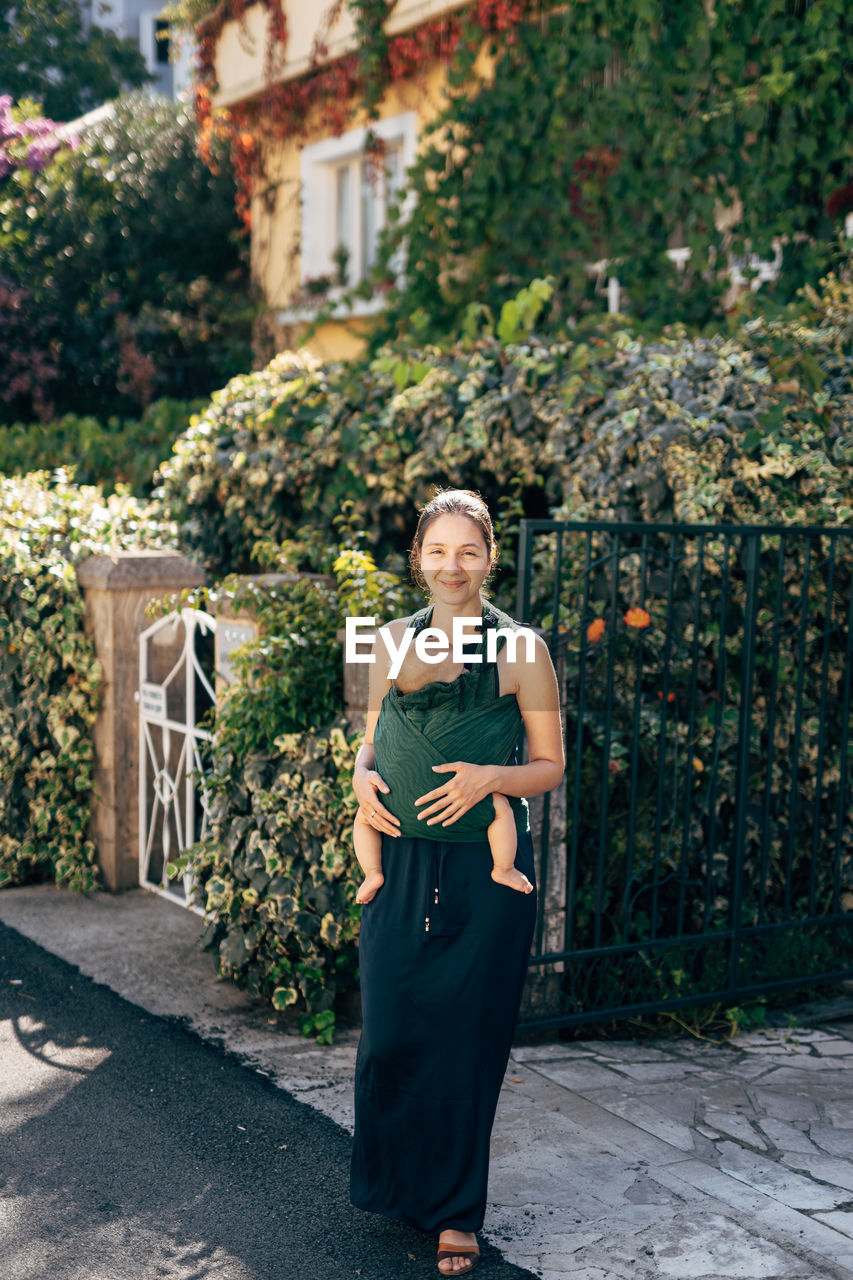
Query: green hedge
288,446
49,676
751,426
112,453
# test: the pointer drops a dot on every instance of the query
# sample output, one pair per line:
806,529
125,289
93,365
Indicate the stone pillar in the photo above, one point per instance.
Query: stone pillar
117,589
356,689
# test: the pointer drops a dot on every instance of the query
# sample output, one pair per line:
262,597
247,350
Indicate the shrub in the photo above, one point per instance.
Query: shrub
280,877
287,446
751,426
92,452
49,677
130,255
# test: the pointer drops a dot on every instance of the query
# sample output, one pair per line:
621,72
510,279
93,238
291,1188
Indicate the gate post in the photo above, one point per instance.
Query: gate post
750,624
117,589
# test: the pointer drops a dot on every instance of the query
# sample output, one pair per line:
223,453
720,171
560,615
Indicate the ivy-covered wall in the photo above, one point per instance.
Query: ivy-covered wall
605,131
619,130
50,679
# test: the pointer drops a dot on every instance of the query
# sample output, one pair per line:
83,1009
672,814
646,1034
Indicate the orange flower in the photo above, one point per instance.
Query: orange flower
670,697
595,630
637,618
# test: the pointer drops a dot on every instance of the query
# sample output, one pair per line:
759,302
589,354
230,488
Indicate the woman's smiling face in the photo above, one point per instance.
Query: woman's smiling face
454,560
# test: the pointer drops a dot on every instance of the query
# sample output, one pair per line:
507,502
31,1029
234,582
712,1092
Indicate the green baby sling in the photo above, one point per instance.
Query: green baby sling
447,720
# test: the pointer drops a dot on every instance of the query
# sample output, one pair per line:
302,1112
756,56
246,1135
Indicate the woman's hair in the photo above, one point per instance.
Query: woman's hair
452,502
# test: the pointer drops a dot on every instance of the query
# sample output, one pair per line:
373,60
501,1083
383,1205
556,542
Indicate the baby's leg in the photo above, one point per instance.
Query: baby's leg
367,842
503,842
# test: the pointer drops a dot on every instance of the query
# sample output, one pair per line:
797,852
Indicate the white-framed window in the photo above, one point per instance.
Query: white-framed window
345,201
154,33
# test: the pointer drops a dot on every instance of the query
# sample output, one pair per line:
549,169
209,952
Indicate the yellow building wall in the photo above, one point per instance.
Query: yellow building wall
329,342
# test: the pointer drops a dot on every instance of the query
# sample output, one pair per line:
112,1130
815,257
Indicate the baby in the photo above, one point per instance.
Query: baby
503,841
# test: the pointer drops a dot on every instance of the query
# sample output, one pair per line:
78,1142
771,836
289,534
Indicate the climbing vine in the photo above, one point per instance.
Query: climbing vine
609,134
373,63
609,130
324,100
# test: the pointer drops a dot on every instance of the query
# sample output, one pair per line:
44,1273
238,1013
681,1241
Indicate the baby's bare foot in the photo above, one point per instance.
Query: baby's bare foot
369,886
513,879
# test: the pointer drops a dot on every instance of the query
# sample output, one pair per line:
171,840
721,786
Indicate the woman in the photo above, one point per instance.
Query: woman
444,948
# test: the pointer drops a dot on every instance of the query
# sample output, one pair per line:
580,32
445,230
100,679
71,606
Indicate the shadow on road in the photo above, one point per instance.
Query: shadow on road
132,1151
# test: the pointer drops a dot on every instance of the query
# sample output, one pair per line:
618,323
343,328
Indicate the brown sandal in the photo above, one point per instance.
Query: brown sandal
458,1251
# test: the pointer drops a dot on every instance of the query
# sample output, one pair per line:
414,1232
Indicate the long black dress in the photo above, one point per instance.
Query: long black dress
443,955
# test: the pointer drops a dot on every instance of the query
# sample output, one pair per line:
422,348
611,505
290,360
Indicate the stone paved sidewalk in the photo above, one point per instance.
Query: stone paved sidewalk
611,1161
680,1159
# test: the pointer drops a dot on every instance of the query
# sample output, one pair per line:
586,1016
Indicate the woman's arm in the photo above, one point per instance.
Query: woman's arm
367,784
539,702
538,698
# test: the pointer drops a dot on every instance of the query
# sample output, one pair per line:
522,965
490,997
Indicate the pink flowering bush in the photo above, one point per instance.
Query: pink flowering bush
26,142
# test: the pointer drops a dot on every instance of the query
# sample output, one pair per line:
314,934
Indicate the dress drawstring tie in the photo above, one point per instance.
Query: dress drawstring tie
432,887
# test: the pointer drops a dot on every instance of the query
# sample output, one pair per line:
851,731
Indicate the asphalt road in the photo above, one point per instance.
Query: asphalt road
130,1150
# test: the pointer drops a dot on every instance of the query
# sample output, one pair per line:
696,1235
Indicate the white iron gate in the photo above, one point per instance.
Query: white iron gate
177,687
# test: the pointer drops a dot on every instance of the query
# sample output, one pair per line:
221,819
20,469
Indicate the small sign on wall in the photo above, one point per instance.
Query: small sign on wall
152,700
229,637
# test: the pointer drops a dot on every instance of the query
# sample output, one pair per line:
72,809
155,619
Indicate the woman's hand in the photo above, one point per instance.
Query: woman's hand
367,784
469,784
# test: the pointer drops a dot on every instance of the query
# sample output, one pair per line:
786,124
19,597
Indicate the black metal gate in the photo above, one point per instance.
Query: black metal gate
704,850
